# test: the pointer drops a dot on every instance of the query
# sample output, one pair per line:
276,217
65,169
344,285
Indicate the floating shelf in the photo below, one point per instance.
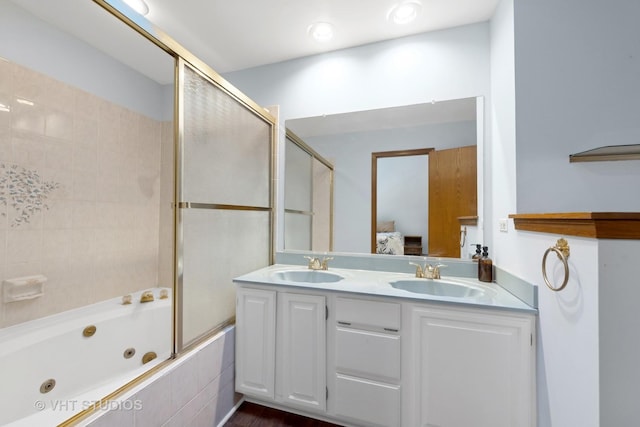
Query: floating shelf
610,152
468,220
599,225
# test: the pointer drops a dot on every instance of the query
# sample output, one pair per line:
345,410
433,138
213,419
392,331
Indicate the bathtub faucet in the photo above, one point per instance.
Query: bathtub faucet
147,296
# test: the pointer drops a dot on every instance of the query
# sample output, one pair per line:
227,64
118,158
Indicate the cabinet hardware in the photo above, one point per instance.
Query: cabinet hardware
326,312
390,329
326,393
344,323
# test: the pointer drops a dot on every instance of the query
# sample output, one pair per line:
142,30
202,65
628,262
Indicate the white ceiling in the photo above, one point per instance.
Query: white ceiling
231,35
235,34
385,118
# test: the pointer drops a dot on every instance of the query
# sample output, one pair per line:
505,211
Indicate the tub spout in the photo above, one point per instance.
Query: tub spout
147,296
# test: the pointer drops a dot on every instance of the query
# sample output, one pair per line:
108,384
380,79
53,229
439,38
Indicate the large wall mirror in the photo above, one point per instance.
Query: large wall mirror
355,142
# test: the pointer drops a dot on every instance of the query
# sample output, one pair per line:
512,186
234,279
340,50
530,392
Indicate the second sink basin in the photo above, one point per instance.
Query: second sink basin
308,276
438,287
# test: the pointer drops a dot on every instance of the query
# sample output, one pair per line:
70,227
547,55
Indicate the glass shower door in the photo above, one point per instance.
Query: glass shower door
224,215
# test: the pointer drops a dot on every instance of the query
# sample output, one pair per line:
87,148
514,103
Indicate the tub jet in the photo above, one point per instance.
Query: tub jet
47,386
148,357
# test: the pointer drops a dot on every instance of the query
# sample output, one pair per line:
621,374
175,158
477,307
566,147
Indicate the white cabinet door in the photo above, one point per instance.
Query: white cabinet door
301,379
255,342
472,368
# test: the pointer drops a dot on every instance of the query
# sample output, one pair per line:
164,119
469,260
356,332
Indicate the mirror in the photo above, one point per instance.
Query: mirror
308,199
349,140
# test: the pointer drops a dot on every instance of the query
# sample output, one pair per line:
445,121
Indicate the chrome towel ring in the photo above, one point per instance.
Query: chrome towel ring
563,251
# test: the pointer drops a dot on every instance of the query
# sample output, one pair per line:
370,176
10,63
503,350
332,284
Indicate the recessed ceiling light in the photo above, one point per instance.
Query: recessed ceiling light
321,31
139,6
404,12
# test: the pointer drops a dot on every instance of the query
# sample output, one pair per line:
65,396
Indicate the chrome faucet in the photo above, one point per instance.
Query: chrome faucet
316,264
428,271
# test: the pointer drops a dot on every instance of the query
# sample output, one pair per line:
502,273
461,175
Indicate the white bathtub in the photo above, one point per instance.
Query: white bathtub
85,369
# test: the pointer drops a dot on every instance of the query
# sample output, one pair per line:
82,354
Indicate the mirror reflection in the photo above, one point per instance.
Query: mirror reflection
308,198
350,140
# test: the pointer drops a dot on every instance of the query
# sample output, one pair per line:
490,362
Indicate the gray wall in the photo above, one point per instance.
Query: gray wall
35,44
577,88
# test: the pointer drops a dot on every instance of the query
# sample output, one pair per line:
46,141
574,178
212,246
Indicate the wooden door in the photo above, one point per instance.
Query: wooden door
452,194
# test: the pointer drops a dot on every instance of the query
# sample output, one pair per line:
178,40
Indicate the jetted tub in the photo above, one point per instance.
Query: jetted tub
85,366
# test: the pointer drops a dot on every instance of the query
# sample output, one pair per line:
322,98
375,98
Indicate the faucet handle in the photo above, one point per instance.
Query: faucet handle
436,270
314,263
325,262
419,269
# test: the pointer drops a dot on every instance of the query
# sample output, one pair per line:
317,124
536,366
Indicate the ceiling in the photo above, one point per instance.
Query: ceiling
231,35
236,34
385,118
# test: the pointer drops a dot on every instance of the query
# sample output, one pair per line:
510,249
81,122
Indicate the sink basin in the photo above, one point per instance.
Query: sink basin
440,288
308,276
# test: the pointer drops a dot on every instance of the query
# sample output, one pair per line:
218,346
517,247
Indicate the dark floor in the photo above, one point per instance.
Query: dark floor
252,415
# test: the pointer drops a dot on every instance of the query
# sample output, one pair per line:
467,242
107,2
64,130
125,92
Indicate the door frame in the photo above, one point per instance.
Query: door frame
374,182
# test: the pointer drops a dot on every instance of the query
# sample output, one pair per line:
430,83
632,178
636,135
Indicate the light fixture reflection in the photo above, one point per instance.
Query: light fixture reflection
404,12
321,31
139,6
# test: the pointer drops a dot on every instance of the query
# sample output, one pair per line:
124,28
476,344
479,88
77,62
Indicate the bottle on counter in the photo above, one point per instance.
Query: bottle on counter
478,253
485,266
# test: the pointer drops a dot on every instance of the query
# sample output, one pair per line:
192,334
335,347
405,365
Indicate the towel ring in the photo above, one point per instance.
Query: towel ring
562,250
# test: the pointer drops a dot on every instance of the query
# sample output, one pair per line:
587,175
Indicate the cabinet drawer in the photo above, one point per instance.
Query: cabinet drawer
374,403
369,354
376,314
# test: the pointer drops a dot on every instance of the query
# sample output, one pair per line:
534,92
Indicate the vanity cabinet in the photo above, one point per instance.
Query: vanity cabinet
375,361
292,326
367,351
471,368
301,346
256,342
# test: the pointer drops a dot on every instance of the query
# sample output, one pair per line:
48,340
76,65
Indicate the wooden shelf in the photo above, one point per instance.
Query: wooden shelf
468,220
610,152
599,225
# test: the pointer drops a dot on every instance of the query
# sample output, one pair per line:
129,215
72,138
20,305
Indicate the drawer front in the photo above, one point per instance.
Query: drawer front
374,403
369,354
376,314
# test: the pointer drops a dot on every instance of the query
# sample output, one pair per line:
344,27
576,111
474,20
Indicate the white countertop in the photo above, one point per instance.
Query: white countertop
377,283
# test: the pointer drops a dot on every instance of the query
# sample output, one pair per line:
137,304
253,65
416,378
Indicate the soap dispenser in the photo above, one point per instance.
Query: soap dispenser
485,266
478,254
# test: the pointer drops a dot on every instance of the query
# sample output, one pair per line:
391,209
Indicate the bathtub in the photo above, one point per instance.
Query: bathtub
85,368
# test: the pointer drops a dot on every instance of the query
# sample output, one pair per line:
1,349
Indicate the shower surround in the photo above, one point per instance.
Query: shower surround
85,195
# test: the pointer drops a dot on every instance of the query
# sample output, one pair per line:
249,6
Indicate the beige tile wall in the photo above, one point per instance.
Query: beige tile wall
88,174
